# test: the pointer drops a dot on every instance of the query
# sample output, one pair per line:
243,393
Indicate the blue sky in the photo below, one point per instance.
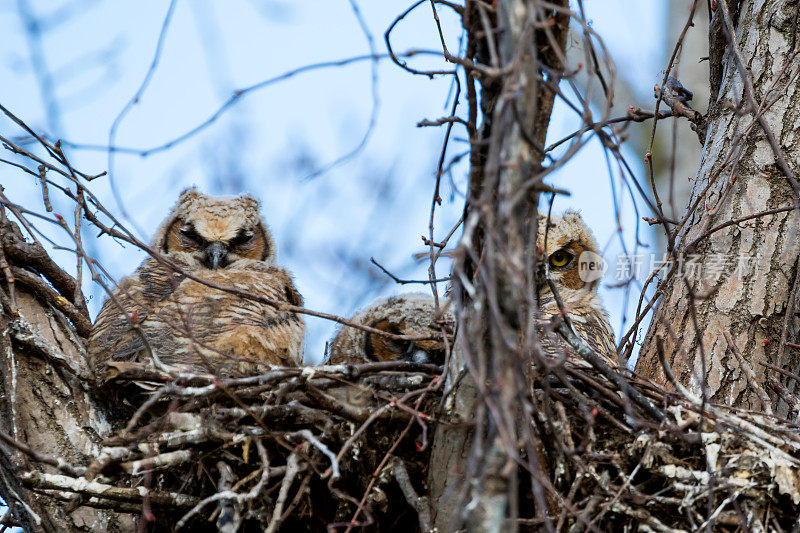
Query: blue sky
374,205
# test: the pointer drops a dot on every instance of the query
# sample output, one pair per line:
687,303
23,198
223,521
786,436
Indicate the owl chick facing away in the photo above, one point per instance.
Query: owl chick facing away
190,325
573,260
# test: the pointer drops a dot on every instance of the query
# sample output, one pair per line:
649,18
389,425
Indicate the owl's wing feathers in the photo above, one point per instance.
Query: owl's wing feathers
189,324
113,337
597,333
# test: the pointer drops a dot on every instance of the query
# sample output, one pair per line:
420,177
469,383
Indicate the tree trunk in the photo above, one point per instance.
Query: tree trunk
729,306
505,177
45,404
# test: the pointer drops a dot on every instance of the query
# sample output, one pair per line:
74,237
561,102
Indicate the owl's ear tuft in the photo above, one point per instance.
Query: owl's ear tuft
572,216
250,202
188,194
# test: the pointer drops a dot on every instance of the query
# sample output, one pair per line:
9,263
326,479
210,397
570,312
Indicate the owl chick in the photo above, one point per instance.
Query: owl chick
188,324
406,314
575,267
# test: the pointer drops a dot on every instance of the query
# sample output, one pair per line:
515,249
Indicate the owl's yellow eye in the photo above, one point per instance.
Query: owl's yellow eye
560,258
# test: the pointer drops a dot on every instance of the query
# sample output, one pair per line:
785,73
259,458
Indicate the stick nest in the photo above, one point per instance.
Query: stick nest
295,449
338,447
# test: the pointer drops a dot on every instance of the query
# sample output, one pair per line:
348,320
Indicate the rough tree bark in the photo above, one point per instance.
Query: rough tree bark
749,166
45,402
503,192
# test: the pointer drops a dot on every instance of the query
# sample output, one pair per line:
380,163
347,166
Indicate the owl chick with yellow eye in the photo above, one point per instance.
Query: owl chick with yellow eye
574,265
190,325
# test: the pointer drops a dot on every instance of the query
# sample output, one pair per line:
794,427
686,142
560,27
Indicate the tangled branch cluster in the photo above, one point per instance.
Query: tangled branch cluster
701,465
347,446
545,444
343,447
312,449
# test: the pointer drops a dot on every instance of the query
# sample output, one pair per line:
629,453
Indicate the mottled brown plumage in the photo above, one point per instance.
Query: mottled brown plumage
406,314
190,325
567,238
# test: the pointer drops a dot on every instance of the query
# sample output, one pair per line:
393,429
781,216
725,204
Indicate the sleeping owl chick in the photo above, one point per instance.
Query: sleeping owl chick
567,238
190,325
406,314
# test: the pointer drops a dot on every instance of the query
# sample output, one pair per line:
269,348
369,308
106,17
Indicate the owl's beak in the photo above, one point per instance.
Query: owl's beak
216,255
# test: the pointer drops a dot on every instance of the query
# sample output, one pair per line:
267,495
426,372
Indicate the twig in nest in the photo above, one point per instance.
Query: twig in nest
306,434
755,433
642,515
752,380
229,518
344,409
231,495
612,375
42,480
108,455
785,395
710,520
419,503
292,468
157,462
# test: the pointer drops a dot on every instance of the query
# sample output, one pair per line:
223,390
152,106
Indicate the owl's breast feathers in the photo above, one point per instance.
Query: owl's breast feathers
590,323
200,328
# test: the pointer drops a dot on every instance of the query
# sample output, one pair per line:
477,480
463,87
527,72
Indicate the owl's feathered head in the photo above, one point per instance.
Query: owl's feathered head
570,250
404,314
215,231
